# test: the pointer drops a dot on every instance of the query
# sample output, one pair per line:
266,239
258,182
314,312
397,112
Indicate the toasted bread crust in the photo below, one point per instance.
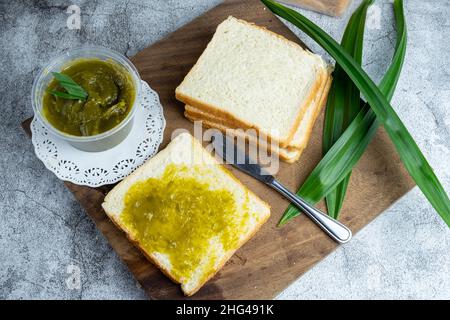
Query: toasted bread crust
321,105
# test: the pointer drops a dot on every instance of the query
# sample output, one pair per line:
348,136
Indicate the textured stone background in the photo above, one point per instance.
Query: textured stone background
402,254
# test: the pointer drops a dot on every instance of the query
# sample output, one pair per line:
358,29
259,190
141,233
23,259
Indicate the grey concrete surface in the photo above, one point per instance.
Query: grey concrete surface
44,232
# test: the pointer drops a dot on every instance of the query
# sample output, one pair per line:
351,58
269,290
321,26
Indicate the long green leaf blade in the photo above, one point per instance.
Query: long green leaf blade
325,174
343,103
65,95
337,162
409,152
70,85
336,102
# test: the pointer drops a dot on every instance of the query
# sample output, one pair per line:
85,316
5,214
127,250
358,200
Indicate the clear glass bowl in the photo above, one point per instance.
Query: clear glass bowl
102,141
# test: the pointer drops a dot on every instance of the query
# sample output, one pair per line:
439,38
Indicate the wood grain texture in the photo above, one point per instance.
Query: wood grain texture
329,7
275,257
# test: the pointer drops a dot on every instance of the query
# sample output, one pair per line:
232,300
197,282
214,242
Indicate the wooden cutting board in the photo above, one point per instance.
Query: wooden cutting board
330,7
275,257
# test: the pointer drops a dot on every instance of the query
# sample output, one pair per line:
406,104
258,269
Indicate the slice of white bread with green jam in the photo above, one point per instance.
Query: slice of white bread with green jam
185,212
254,78
289,154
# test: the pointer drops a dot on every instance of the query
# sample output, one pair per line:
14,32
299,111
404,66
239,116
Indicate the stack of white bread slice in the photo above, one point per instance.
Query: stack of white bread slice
185,212
251,78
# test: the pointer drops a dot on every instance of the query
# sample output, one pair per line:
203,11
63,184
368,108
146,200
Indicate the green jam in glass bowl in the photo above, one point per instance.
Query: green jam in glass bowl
111,94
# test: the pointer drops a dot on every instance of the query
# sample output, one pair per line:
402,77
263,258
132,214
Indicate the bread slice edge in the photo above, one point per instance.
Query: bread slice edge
289,154
198,114
284,154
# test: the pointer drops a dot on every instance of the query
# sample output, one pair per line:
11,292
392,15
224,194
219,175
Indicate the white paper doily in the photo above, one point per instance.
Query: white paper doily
94,169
